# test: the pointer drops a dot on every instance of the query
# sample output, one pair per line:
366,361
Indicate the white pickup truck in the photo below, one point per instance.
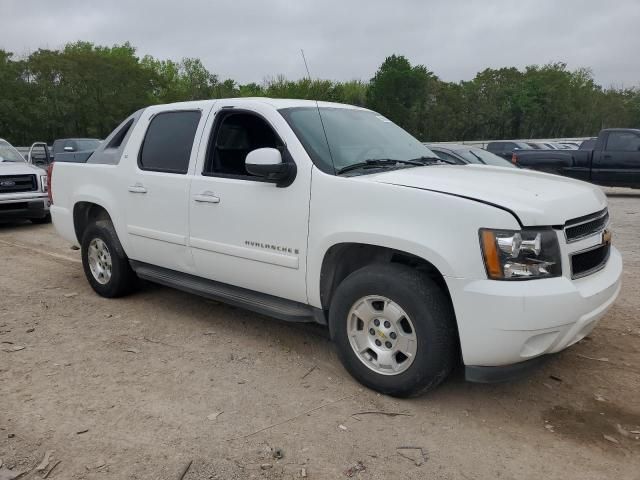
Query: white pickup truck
23,187
330,213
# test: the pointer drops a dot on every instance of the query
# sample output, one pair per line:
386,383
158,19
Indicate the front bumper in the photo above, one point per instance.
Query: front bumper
505,323
35,206
503,373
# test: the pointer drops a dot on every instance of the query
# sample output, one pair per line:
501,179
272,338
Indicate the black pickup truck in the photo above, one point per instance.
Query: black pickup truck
613,161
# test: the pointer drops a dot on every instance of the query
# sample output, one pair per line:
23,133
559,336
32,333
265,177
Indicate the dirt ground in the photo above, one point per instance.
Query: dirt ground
141,386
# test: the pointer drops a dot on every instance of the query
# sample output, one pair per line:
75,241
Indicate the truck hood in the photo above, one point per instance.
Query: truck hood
535,198
19,168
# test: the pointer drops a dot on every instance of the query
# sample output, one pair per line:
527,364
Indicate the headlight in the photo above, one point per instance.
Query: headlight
520,254
44,181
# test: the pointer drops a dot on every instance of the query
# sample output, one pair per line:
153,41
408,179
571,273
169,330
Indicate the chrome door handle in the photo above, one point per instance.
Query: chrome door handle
137,188
206,197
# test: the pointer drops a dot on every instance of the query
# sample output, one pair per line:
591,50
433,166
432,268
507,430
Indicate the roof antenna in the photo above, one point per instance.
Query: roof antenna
304,59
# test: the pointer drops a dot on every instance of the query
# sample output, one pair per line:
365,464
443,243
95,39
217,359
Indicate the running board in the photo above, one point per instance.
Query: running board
269,305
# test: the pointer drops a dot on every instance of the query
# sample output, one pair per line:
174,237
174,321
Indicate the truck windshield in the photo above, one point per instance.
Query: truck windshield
478,155
8,153
354,136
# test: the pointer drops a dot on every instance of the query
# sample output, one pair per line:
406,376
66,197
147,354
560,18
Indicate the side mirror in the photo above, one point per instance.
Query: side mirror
267,163
68,149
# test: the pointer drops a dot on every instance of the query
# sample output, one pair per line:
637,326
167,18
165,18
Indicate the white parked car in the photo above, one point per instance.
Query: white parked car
332,213
23,187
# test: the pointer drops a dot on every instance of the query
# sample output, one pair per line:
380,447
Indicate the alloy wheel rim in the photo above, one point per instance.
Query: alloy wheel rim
100,261
382,335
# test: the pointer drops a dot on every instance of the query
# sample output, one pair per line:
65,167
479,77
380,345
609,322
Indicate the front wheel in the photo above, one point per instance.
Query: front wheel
394,329
106,266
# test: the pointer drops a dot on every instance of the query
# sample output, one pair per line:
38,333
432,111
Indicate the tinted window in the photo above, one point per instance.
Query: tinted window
495,147
167,144
623,142
233,137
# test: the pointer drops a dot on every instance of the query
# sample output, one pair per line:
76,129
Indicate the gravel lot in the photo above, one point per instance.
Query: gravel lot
141,386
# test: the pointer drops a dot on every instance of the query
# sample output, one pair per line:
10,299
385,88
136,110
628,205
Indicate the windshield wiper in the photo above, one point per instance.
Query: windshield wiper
431,161
378,162
479,159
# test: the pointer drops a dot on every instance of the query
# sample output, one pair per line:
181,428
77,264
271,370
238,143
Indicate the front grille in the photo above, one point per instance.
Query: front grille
18,183
589,261
586,226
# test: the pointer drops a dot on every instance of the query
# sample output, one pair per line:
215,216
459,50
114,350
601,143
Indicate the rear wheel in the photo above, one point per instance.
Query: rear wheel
106,266
394,329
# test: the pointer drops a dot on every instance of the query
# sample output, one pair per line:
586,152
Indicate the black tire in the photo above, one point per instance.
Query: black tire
430,312
123,279
40,221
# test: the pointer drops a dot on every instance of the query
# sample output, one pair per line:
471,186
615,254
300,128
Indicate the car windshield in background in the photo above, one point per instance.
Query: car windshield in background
84,145
355,136
9,154
478,155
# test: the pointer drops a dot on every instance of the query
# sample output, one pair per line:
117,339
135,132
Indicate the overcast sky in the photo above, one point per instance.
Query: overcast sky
249,40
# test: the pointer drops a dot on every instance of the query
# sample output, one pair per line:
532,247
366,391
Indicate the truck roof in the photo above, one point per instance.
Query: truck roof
277,103
636,130
75,138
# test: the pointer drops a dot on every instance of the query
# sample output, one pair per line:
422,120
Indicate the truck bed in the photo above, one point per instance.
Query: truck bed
569,163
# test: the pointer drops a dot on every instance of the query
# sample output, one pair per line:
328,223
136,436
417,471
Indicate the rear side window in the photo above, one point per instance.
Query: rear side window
623,142
495,147
167,144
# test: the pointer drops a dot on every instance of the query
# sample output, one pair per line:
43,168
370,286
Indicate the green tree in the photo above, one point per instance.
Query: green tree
86,90
403,93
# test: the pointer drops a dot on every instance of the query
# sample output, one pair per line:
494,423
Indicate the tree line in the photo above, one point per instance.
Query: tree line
85,90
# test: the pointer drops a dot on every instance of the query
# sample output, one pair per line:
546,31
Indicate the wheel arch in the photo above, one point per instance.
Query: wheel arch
85,213
342,259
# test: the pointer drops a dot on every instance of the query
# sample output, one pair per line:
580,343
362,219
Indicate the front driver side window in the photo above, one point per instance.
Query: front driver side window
234,135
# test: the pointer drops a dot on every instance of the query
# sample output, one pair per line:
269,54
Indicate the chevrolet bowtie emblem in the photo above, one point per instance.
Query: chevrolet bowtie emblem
606,237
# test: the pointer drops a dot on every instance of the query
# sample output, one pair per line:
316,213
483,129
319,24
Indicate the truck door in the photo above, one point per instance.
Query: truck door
157,187
618,163
245,231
